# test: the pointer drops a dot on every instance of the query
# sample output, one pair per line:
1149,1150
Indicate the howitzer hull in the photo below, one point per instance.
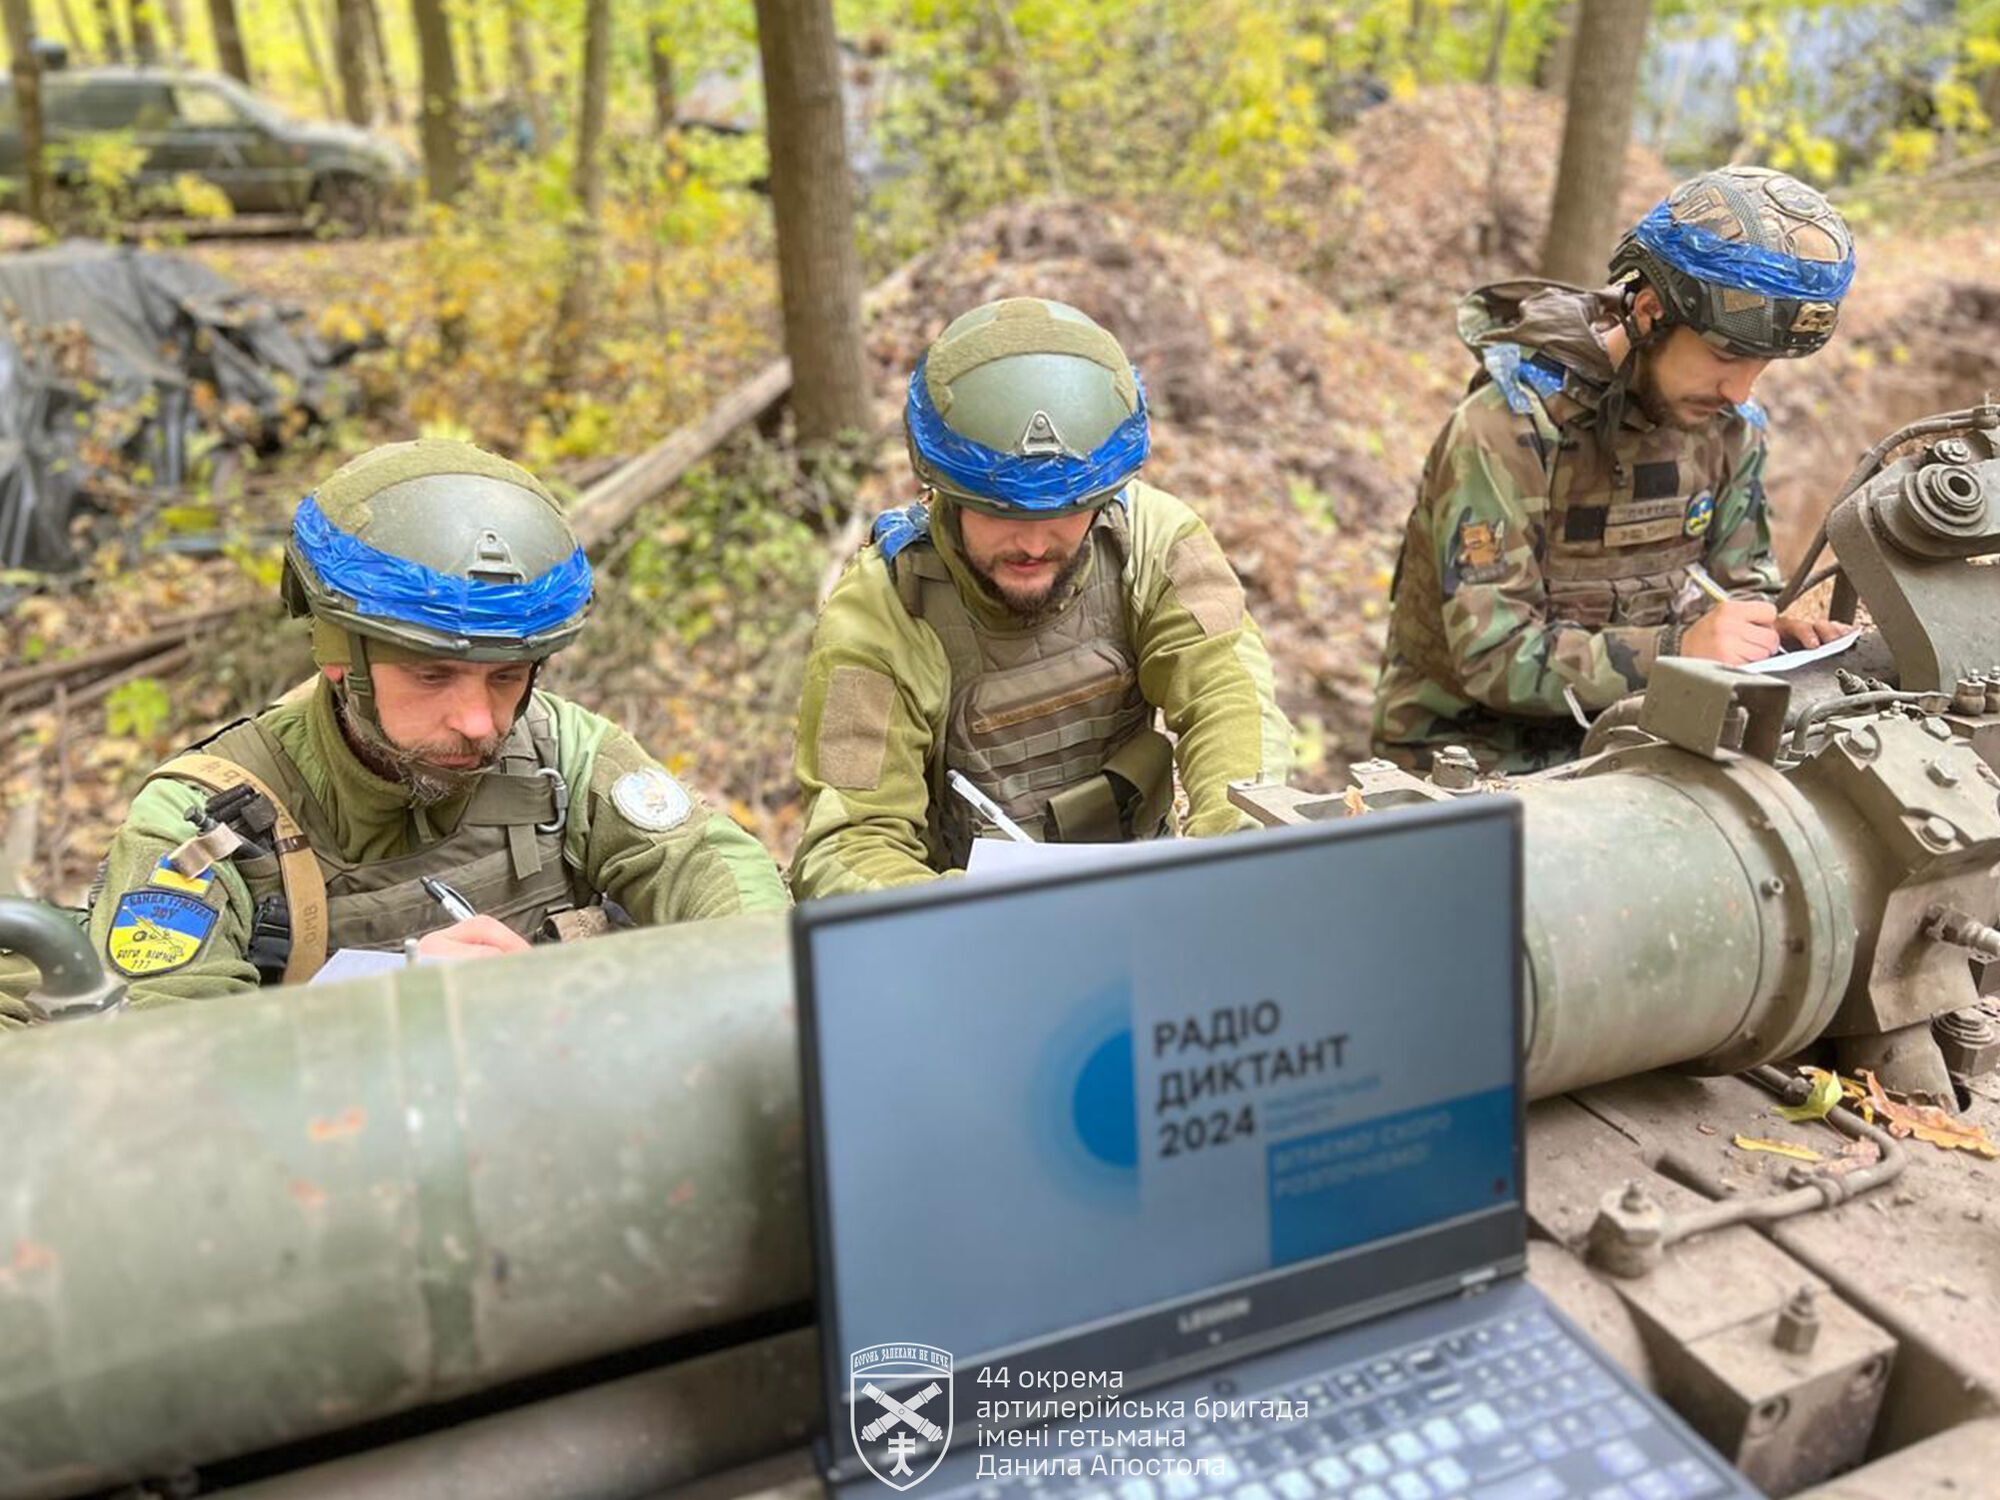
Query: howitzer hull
232,1225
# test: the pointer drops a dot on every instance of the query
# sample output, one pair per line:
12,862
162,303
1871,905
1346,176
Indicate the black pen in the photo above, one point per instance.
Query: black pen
455,906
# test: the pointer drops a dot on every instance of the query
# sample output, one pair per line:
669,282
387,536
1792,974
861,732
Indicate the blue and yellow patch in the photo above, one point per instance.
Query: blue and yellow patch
1700,511
168,878
155,931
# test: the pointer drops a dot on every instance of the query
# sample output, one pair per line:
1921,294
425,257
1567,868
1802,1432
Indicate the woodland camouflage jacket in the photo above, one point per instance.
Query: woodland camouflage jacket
1544,553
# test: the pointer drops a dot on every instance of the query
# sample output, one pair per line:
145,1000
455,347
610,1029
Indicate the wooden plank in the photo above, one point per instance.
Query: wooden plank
602,509
607,505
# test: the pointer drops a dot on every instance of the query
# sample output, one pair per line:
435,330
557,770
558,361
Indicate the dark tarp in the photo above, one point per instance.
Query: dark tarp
89,326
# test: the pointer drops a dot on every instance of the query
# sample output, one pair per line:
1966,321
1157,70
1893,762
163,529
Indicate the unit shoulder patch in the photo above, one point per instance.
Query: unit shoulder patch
1700,511
652,800
155,931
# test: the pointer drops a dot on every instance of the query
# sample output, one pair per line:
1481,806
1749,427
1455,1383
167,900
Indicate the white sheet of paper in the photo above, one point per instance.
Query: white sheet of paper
1006,857
1784,661
356,963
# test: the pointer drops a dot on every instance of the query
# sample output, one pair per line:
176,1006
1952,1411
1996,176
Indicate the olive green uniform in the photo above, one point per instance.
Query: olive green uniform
880,704
371,842
1543,554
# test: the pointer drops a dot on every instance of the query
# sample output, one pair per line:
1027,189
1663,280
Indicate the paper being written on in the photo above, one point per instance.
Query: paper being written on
357,963
1785,661
1007,857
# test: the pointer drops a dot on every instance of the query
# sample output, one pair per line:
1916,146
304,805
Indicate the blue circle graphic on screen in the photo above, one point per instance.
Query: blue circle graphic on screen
1105,1107
1082,1103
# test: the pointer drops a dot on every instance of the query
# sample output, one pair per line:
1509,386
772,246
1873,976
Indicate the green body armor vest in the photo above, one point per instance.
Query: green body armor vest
505,856
1047,720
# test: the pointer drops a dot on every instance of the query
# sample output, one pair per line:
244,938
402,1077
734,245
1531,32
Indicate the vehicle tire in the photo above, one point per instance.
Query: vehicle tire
345,205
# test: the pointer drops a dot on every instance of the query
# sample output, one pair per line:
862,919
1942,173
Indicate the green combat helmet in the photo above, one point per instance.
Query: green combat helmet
1754,261
433,549
1025,407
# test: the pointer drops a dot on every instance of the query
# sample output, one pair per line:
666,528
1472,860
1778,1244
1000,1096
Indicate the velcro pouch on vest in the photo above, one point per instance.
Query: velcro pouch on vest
1586,604
1128,800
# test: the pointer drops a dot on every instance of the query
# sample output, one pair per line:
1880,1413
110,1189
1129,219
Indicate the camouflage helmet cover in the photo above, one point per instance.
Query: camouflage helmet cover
1026,406
1753,260
437,549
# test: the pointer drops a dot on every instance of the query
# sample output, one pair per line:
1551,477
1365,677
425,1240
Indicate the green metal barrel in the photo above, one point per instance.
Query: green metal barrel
230,1225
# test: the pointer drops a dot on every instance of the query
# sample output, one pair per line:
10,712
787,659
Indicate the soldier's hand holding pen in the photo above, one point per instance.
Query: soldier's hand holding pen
471,935
1739,631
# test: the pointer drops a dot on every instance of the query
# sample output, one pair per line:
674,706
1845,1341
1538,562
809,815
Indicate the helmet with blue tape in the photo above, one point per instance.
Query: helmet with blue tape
434,549
1026,408
1753,260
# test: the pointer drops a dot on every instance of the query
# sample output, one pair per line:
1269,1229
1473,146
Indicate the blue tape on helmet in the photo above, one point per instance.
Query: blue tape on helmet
1707,256
394,588
896,529
1038,482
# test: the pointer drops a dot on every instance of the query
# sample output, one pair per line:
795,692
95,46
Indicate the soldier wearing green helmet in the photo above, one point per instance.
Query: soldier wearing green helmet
438,579
1026,625
1608,455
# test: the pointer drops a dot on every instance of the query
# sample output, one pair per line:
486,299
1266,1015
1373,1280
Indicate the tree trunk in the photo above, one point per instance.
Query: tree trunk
439,118
77,46
1556,61
587,180
302,19
109,36
812,200
174,13
660,63
229,53
27,70
1583,220
524,85
475,55
145,41
350,51
392,102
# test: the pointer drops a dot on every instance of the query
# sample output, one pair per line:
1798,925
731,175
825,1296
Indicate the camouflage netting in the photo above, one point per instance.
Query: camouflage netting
114,364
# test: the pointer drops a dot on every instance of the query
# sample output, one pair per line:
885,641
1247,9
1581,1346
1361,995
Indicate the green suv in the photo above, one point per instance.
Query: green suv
210,125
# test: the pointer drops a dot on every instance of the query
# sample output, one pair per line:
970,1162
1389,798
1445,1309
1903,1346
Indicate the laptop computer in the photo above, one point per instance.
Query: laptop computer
1199,1172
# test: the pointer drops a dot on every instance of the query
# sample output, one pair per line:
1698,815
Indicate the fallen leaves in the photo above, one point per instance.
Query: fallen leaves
1776,1148
1826,1093
1928,1123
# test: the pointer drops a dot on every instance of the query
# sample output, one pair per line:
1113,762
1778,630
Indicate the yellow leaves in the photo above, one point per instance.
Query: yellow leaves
198,198
339,321
1928,1123
1825,1095
1776,1148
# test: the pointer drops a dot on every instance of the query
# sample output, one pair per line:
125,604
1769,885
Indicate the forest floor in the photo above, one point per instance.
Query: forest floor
1296,390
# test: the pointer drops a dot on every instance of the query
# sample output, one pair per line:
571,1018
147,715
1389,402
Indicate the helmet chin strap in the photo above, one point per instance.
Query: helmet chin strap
1611,407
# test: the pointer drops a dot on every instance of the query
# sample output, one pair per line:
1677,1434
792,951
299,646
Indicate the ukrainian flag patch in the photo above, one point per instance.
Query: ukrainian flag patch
156,932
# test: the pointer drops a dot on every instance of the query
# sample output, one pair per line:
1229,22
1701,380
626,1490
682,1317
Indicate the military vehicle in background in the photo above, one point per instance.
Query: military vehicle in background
536,1227
189,122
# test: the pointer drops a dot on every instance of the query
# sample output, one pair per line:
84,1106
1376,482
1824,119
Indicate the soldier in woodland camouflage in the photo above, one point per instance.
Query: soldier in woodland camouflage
1607,450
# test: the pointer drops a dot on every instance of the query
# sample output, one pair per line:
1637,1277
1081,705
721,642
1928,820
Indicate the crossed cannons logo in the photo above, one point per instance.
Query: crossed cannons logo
901,1437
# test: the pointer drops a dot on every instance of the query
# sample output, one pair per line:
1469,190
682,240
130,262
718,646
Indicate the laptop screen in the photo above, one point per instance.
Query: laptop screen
1044,1108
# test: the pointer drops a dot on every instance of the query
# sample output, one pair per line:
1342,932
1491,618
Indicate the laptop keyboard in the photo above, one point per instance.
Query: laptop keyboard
1508,1409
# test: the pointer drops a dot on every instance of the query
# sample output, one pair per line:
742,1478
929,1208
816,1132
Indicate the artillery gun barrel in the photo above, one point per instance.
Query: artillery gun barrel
235,1224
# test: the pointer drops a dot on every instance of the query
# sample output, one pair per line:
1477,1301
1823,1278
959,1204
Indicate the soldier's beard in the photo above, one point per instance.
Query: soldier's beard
1031,607
415,766
1665,409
